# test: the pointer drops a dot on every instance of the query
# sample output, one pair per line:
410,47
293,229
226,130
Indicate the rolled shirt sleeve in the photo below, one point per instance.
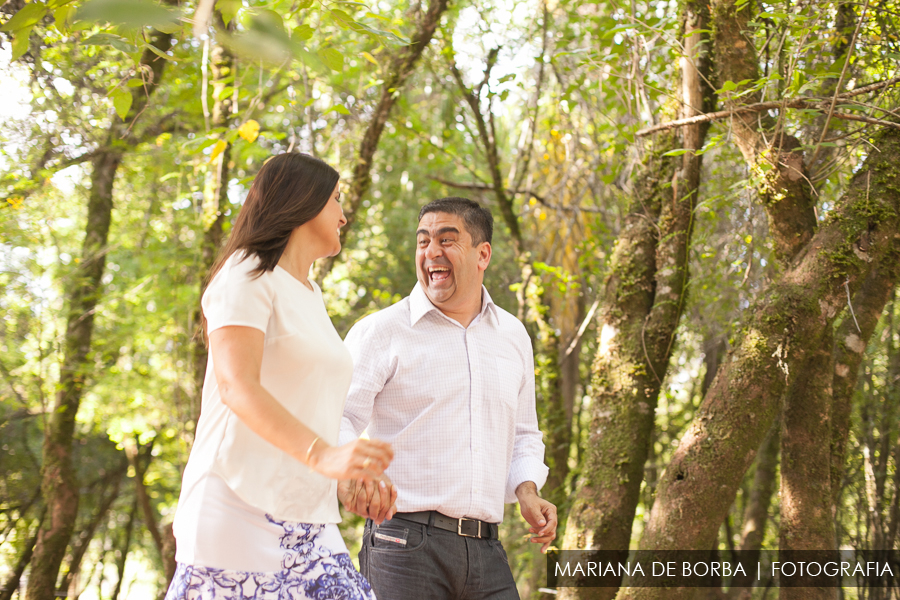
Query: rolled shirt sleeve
527,462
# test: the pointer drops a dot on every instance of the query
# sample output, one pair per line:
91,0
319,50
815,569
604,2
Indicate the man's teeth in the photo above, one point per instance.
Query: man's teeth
439,273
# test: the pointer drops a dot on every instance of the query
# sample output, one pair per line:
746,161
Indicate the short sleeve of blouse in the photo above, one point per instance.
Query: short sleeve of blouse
236,296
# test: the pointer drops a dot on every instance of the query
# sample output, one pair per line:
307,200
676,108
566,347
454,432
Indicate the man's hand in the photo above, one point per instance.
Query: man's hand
373,500
539,513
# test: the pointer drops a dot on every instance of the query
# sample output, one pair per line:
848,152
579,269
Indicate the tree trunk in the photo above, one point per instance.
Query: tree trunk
84,539
700,483
756,512
806,510
644,299
400,69
122,558
59,486
165,549
215,198
850,346
775,158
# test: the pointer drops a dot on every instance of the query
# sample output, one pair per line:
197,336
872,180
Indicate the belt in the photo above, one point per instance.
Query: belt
464,527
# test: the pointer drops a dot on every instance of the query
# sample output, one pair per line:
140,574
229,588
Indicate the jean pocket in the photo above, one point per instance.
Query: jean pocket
393,537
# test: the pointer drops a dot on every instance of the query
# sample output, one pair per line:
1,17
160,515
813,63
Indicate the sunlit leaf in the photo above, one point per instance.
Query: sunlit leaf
249,130
121,100
303,32
20,42
333,59
27,17
218,149
228,9
132,14
370,58
62,17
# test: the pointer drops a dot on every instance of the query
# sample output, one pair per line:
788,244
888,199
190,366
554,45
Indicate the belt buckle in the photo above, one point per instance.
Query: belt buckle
459,530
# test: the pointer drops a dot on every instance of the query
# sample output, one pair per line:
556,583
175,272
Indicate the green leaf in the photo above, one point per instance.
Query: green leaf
728,86
62,17
20,42
228,9
677,152
265,38
27,17
338,108
108,39
133,83
121,102
333,59
158,52
131,14
303,32
304,4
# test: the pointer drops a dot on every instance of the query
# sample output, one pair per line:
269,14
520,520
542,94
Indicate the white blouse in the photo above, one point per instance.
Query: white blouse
305,366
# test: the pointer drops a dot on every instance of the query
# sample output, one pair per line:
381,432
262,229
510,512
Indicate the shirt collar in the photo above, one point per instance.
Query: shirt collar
420,305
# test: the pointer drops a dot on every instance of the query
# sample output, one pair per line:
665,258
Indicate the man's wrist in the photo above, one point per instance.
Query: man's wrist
526,488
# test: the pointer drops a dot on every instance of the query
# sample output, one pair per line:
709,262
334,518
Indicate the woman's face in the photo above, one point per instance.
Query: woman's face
323,233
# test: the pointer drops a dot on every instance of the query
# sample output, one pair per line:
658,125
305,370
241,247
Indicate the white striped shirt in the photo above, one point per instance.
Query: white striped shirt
456,403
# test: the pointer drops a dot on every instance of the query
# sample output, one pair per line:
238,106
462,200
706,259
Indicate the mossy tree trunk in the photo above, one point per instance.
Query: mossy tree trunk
699,485
644,298
59,486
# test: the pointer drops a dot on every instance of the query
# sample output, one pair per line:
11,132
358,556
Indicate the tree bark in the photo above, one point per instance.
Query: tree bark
399,71
644,299
59,487
806,509
215,198
850,346
775,158
701,481
166,551
84,539
122,558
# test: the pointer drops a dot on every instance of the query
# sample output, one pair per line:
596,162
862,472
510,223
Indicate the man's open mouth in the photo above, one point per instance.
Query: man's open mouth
438,274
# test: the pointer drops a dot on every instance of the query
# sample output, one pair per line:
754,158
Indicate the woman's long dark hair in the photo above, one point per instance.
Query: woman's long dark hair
289,190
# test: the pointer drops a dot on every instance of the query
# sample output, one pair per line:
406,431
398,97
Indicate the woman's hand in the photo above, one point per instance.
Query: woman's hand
365,459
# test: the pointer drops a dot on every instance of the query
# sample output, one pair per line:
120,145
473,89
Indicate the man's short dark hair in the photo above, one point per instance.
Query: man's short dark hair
478,219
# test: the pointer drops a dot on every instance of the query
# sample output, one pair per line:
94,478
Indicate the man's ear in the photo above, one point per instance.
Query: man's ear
484,255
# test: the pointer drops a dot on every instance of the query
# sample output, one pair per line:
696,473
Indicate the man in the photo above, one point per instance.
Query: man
447,377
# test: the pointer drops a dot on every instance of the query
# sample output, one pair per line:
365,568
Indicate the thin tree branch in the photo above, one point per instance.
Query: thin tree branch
490,188
840,82
809,103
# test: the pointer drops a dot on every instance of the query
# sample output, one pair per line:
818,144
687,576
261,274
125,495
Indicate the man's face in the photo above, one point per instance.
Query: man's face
450,269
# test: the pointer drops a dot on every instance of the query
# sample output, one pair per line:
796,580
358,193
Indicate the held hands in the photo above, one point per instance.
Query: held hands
539,513
374,500
365,459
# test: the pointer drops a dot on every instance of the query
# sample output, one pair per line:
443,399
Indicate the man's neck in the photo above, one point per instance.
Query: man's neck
466,314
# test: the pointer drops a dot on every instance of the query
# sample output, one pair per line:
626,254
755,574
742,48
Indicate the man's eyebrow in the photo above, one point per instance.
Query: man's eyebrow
439,232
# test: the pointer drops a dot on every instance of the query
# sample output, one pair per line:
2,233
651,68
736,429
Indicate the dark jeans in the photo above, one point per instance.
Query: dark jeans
404,560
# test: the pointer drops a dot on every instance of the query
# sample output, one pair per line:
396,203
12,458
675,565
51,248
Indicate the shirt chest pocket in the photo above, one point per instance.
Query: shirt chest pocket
506,380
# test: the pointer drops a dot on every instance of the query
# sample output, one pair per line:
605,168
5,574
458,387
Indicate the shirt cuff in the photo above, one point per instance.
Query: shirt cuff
525,469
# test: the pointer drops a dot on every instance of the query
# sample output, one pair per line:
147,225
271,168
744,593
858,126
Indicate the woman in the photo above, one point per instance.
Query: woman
258,508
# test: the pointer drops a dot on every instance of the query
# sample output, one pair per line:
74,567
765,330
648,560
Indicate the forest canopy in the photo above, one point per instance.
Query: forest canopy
697,212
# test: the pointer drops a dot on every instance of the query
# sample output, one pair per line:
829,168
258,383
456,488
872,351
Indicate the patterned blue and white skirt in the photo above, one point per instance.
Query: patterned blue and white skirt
258,557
